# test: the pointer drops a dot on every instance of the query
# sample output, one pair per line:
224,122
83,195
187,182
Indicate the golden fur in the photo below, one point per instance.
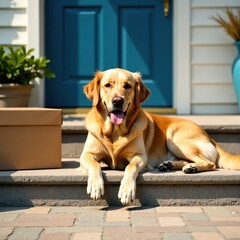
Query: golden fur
125,137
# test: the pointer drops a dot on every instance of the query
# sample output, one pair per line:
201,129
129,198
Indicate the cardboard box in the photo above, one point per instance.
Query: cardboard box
30,138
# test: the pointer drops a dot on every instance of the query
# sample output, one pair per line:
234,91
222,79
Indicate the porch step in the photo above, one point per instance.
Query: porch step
225,130
67,187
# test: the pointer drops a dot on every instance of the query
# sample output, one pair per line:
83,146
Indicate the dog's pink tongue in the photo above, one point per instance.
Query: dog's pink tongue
117,118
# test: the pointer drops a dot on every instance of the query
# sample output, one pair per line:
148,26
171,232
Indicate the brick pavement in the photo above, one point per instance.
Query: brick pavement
95,223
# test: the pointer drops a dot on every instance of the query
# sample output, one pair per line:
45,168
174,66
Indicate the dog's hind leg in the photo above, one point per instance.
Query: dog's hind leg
187,141
199,165
197,159
171,165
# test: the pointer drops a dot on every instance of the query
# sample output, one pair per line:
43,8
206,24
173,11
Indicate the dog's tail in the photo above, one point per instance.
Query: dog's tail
227,160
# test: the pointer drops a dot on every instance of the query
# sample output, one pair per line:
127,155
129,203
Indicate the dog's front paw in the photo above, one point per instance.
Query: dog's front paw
127,191
95,187
190,168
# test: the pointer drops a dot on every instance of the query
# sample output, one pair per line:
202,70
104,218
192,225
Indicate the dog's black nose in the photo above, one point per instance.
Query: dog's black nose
117,101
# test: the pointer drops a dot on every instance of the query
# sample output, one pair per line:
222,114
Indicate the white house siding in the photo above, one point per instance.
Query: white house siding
212,53
13,22
20,24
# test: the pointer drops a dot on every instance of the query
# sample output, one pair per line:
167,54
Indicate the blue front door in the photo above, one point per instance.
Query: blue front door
83,36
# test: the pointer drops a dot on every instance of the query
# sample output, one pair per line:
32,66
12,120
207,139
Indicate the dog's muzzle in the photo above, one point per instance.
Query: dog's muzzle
117,115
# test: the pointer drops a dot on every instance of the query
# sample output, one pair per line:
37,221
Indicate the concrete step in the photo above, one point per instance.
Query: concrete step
67,187
223,129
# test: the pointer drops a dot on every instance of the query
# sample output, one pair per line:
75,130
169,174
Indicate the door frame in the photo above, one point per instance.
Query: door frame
35,39
181,52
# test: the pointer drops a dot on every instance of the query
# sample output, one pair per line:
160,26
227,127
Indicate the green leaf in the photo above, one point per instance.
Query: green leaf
9,75
19,65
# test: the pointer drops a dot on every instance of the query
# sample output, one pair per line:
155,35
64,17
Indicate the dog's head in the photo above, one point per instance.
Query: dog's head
118,92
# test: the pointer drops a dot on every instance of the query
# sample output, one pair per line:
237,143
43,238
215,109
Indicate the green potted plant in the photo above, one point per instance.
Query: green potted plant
18,67
231,24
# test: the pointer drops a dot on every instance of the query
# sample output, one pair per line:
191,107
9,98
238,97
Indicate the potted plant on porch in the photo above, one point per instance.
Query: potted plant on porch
231,25
18,67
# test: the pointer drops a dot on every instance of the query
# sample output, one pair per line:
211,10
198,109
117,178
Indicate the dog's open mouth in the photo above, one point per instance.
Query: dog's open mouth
116,117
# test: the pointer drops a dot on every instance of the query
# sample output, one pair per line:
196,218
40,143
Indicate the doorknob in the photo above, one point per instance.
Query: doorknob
166,7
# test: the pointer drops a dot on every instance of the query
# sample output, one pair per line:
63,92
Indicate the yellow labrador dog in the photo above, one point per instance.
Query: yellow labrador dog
123,136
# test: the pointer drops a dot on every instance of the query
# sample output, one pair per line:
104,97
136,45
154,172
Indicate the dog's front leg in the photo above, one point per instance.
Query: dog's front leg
95,185
127,190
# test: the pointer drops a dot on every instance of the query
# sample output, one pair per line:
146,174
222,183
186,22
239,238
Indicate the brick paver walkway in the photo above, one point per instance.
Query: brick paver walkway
95,223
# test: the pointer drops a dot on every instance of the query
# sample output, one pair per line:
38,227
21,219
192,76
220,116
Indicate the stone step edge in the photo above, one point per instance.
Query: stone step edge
70,175
75,129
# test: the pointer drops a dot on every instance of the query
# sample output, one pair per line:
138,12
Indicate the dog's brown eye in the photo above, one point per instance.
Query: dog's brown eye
108,85
127,86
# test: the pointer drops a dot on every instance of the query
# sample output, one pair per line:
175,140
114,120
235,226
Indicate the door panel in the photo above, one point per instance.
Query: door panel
83,36
82,45
135,45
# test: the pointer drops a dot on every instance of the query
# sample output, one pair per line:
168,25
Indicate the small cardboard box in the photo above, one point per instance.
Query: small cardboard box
30,138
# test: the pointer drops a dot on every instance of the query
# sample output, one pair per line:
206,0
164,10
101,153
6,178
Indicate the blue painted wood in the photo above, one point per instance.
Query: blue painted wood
83,36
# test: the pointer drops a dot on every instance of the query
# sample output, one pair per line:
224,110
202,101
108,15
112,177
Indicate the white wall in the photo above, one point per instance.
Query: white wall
13,22
212,53
20,24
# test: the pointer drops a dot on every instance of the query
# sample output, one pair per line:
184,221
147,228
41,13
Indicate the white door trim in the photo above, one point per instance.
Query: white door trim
181,57
35,31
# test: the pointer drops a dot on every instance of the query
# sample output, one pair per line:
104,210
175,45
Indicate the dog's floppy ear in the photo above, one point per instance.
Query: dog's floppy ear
92,89
142,92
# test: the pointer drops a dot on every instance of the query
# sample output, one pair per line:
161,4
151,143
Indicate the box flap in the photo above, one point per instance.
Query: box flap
30,116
